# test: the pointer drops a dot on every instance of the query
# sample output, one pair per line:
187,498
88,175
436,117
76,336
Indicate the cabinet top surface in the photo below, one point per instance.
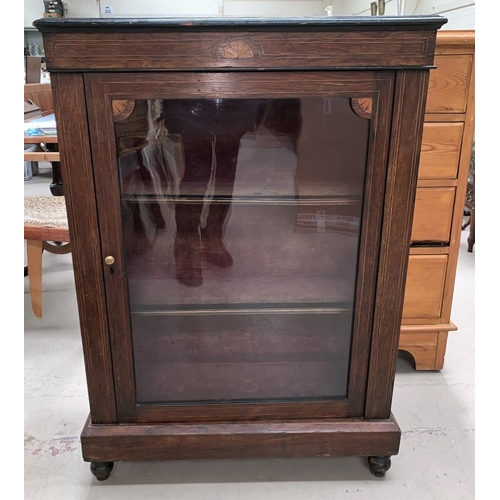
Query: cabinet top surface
350,23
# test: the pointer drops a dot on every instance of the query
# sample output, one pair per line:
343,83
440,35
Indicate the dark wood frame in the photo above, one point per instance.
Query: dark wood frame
127,53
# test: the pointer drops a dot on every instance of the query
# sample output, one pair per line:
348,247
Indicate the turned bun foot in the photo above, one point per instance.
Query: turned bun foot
101,470
379,465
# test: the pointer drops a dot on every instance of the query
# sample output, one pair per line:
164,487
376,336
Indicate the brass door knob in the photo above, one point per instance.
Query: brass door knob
110,260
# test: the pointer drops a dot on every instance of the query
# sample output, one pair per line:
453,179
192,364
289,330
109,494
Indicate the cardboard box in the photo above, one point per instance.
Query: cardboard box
30,167
51,14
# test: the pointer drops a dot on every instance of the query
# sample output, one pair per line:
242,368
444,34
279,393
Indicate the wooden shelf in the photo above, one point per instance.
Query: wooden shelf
237,309
249,199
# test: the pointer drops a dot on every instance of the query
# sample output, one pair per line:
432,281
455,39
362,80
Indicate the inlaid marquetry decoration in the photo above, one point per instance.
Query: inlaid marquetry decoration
122,108
362,106
237,48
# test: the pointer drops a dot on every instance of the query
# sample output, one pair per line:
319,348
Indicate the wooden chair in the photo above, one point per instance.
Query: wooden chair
470,202
45,222
41,95
470,205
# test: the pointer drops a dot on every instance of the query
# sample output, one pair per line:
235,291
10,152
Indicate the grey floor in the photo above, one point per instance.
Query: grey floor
434,409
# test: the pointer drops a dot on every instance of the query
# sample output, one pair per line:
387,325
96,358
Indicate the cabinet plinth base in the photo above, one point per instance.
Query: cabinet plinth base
129,442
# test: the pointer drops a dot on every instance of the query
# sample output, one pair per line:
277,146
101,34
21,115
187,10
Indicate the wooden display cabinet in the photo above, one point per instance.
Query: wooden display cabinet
240,198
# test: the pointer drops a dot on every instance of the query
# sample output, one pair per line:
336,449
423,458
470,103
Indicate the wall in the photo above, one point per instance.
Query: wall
461,13
460,19
229,8
271,8
362,7
33,9
152,8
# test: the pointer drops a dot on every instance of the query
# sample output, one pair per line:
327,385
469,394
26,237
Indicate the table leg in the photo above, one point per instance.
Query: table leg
56,187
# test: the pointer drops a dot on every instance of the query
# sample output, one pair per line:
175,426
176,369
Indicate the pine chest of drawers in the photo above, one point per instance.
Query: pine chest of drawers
441,188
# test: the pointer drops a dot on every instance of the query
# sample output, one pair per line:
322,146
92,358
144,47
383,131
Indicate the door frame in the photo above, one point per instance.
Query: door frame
101,89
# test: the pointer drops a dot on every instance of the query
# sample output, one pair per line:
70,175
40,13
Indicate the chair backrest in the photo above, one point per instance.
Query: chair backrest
33,67
41,95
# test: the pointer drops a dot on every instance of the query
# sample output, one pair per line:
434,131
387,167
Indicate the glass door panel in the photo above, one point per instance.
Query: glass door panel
241,225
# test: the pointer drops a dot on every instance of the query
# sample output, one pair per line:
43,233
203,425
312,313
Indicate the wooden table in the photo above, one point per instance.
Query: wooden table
46,150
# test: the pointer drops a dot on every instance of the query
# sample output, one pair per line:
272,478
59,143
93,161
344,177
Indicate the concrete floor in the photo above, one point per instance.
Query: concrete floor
434,409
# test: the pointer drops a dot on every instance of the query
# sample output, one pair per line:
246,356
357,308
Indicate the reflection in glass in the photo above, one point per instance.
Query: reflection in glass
241,222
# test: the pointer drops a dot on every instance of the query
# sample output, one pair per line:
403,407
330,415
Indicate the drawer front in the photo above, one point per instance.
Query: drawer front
440,153
433,215
449,84
424,288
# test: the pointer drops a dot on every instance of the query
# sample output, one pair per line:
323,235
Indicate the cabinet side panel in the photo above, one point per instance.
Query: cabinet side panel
406,137
463,173
76,165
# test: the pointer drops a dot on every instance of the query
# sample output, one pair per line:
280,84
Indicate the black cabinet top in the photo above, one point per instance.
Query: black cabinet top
351,23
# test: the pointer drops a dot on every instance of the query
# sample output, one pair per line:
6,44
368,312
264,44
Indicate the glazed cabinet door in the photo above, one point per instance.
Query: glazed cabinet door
240,221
